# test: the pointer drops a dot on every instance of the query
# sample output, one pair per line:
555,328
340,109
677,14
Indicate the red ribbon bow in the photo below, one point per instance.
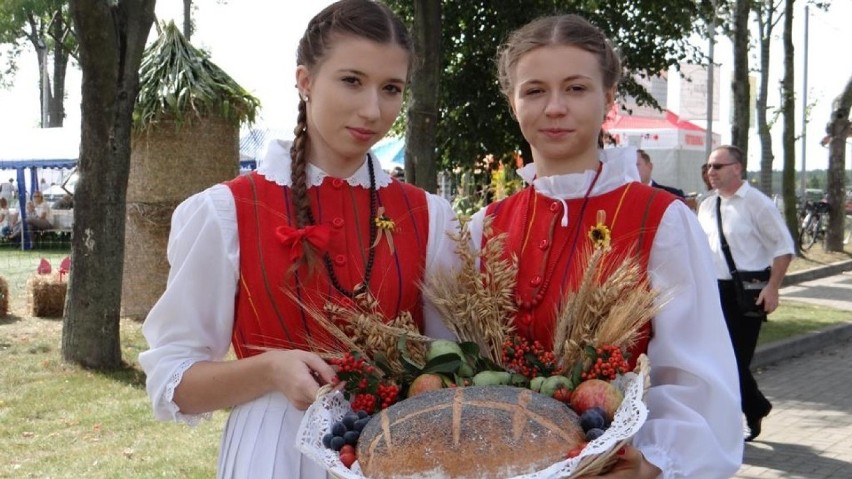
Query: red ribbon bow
317,235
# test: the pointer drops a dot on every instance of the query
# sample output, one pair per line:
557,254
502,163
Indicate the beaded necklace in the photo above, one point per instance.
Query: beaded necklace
371,256
549,270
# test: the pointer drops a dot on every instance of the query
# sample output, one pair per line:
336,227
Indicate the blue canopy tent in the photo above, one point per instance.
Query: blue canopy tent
35,149
253,145
390,152
45,148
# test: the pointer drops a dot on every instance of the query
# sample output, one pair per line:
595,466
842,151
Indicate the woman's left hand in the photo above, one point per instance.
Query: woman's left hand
631,465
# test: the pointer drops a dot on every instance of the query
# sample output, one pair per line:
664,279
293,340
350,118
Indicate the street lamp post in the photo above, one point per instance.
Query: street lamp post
805,108
708,134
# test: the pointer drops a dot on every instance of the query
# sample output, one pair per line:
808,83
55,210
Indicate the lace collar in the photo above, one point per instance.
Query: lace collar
619,167
274,165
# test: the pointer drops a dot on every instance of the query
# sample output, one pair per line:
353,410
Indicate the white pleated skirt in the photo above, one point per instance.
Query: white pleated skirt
259,442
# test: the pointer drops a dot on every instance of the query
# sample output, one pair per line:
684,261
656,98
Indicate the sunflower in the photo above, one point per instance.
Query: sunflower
599,233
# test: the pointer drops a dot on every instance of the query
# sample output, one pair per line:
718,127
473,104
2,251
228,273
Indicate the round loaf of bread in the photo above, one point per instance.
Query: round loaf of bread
472,432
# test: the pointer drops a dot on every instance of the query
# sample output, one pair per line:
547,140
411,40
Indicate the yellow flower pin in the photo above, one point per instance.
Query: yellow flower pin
599,233
385,227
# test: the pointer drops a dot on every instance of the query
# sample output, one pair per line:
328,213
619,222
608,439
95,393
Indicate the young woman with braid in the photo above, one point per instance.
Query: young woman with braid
303,226
559,75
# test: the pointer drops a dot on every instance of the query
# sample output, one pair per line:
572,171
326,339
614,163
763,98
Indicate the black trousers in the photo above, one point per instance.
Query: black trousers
744,331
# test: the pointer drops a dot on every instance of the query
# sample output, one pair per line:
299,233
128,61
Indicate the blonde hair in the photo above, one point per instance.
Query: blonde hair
569,30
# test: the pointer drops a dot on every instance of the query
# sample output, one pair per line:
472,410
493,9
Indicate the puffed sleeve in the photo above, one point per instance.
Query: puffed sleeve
193,319
440,256
694,428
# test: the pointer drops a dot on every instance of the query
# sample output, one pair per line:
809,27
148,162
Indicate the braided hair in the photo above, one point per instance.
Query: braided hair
365,19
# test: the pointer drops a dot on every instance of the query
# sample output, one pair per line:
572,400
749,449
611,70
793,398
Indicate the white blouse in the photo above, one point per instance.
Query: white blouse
193,320
694,428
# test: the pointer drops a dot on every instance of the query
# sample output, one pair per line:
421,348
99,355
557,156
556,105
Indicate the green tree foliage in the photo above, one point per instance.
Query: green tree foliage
47,26
474,119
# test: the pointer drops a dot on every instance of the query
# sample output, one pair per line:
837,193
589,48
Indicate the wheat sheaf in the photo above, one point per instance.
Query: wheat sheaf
477,304
611,305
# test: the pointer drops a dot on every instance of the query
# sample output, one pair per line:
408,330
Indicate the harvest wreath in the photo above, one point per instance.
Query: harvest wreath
413,406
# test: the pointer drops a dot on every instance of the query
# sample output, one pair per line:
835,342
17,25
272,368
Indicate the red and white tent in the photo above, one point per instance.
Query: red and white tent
676,146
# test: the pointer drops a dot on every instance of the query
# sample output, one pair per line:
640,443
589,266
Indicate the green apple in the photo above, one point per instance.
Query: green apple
552,383
491,378
536,382
440,347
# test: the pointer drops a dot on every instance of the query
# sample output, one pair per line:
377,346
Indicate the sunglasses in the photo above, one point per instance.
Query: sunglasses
718,166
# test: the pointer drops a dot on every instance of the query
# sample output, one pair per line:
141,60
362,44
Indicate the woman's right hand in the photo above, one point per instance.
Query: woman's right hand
298,375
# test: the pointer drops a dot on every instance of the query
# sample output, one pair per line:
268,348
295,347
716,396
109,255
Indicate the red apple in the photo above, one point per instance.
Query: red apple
596,393
425,382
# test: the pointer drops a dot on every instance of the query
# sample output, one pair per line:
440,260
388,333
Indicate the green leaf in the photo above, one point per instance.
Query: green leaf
445,363
470,348
178,81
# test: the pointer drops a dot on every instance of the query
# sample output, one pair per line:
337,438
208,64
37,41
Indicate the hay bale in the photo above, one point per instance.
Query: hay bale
170,162
167,165
146,268
46,294
4,297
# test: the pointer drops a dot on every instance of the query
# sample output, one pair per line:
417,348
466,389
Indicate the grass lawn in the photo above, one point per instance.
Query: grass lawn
792,318
60,421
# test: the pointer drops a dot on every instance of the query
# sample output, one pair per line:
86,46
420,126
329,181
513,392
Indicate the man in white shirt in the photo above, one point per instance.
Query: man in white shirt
757,238
8,190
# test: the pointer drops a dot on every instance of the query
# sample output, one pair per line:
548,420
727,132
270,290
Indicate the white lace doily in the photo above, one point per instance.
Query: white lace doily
631,415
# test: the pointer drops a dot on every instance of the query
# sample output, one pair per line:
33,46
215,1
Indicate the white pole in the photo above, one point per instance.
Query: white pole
708,136
805,108
45,88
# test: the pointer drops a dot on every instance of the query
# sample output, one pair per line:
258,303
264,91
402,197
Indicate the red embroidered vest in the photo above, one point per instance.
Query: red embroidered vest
550,256
266,316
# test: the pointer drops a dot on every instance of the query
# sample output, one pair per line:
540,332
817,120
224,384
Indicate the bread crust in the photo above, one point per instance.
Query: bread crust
472,432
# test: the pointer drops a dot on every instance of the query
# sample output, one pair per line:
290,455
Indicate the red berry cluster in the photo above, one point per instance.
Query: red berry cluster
530,360
607,363
351,363
365,388
363,402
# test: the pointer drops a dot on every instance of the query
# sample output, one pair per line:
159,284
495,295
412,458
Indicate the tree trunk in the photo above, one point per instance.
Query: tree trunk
739,80
187,19
788,138
420,149
112,38
765,23
838,131
56,102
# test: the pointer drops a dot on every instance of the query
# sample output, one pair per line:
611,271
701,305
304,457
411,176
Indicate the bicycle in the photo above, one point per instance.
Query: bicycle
814,226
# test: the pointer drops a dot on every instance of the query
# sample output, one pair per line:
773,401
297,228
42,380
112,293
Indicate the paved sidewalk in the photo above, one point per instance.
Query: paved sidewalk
834,291
808,435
